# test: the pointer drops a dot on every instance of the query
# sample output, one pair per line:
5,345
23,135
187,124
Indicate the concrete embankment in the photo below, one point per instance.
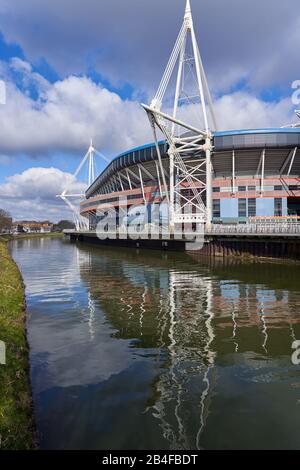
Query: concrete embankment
259,246
215,245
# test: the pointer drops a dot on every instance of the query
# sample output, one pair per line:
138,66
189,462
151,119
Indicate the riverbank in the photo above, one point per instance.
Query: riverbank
17,429
26,236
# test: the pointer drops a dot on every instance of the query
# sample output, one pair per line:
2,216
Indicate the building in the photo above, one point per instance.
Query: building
32,227
202,174
255,175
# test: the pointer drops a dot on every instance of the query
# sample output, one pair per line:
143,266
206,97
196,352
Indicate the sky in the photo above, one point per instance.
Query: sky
79,69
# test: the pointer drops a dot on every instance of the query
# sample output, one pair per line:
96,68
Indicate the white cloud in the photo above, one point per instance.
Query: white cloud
32,194
131,40
44,183
64,115
242,110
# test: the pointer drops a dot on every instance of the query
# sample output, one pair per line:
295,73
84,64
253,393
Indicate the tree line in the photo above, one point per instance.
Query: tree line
6,222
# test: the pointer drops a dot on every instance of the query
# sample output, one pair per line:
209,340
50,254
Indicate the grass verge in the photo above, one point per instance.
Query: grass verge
17,429
25,236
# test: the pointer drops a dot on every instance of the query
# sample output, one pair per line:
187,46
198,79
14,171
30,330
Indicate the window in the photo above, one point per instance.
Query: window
216,190
242,207
225,189
251,188
241,188
278,187
278,207
294,187
216,208
251,207
134,196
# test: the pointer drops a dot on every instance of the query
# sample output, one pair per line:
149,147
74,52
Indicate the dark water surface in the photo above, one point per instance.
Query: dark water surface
151,350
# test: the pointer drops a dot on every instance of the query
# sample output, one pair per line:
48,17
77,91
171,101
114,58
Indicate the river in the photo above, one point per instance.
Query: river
152,350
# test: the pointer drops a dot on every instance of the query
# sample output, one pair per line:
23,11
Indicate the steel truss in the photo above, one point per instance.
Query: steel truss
297,124
190,186
82,223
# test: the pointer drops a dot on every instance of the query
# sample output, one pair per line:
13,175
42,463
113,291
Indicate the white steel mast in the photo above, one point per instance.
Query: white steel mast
82,223
191,141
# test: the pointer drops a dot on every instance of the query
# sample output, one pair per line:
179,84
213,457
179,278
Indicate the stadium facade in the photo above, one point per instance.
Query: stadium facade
223,177
255,175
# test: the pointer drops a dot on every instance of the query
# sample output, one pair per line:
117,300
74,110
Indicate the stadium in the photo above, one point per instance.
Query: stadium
204,175
255,174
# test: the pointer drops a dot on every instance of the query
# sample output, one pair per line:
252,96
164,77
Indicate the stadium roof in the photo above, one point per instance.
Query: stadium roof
222,141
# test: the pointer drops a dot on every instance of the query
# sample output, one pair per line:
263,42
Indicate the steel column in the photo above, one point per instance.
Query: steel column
172,200
209,211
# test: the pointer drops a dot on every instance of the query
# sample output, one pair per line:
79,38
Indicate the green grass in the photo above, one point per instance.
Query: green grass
17,429
22,236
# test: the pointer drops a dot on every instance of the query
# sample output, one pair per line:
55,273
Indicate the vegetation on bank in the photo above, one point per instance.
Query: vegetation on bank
26,236
16,414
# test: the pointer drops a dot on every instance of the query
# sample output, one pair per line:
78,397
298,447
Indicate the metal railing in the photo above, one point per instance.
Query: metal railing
258,228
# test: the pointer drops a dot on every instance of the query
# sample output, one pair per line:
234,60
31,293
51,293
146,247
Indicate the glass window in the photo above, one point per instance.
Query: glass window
225,189
216,208
242,207
278,187
241,188
252,207
216,190
278,207
251,188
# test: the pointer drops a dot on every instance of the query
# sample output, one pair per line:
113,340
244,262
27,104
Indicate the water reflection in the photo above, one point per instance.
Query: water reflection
160,350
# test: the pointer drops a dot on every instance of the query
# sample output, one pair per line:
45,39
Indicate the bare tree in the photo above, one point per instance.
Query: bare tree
5,220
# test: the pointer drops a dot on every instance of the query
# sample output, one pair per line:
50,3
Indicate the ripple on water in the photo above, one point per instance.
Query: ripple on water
192,354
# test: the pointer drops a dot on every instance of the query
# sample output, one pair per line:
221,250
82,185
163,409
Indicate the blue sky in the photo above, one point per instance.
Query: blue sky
77,69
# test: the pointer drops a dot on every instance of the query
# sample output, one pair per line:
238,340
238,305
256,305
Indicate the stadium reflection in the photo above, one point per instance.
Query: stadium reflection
160,350
193,317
